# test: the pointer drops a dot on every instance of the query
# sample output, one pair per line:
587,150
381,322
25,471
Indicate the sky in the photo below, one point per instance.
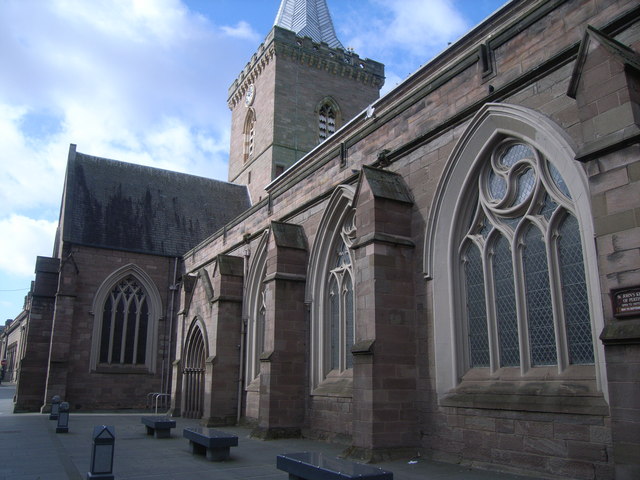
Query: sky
146,81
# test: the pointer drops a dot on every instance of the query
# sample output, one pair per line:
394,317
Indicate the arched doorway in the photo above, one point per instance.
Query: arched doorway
193,374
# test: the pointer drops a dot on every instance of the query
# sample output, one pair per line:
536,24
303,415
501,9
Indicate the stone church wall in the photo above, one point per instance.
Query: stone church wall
83,272
414,133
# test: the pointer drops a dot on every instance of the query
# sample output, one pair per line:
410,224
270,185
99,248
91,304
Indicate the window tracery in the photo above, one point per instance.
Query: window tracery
340,301
331,296
125,322
522,267
127,309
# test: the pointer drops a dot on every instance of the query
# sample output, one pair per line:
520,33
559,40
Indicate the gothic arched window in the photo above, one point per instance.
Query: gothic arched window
326,122
331,296
125,320
256,310
328,118
340,308
249,134
126,310
522,269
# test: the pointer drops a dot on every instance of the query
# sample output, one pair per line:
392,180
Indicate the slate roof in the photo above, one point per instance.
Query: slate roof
117,205
308,18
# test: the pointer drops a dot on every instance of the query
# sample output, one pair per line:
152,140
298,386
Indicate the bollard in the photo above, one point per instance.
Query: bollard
55,406
104,439
63,418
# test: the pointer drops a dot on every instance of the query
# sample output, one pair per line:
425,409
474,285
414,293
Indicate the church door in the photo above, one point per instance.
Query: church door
193,375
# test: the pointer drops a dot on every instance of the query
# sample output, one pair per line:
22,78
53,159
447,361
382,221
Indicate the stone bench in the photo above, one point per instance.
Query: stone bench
215,444
316,466
160,427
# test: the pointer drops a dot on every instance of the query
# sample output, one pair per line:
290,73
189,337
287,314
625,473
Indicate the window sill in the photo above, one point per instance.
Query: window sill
121,369
336,385
540,390
254,385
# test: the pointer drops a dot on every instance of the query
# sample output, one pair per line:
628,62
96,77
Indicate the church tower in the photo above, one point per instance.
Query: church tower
297,89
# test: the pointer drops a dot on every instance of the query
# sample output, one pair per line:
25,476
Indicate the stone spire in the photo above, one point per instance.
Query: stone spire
308,18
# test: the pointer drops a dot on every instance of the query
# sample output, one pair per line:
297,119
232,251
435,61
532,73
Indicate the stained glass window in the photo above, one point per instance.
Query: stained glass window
574,290
476,308
505,300
523,266
538,297
341,309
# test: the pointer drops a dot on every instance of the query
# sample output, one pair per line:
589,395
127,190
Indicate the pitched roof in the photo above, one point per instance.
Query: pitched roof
118,205
308,18
625,55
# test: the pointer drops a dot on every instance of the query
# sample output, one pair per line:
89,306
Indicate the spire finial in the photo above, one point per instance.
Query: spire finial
308,18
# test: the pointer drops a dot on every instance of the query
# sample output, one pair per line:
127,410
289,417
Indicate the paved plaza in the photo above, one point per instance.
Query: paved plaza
31,449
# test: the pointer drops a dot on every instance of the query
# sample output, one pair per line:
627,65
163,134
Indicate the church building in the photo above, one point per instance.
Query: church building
450,270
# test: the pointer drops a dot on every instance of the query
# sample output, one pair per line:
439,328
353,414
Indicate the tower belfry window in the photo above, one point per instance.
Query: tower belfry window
249,135
326,122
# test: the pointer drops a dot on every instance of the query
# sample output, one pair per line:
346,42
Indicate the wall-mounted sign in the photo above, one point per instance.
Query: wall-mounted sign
626,302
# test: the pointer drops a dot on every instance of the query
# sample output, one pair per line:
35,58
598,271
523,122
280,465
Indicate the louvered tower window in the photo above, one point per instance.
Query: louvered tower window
326,122
249,135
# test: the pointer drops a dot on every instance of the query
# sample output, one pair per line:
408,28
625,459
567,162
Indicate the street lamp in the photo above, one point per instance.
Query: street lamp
63,418
104,439
55,405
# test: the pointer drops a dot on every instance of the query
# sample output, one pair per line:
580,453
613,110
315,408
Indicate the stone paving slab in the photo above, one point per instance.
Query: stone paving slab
31,450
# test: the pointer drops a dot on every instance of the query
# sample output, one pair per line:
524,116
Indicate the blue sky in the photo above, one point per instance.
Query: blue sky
145,81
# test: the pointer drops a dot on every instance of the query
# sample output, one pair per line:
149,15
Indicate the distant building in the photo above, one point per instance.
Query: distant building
452,269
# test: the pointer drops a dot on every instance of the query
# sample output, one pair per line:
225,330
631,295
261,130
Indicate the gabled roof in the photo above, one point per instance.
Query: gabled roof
122,206
625,55
308,18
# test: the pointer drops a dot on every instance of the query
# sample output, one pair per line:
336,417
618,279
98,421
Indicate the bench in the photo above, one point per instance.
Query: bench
316,466
158,426
215,444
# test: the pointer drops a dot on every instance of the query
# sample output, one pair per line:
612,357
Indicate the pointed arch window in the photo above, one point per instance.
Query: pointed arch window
328,119
249,135
257,322
340,308
331,293
256,302
522,267
125,322
126,311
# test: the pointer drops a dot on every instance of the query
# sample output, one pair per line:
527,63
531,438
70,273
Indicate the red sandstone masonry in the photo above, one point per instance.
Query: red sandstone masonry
425,165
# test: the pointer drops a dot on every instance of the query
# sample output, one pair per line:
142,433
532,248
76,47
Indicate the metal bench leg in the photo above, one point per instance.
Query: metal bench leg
149,430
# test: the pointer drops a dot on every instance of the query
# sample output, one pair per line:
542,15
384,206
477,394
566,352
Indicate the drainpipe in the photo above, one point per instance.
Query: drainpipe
243,326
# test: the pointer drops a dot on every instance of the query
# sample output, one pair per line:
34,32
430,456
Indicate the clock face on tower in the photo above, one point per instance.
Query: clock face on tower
250,95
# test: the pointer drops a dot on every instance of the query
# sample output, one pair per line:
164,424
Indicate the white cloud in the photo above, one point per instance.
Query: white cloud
419,29
26,172
133,80
22,240
418,26
242,30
